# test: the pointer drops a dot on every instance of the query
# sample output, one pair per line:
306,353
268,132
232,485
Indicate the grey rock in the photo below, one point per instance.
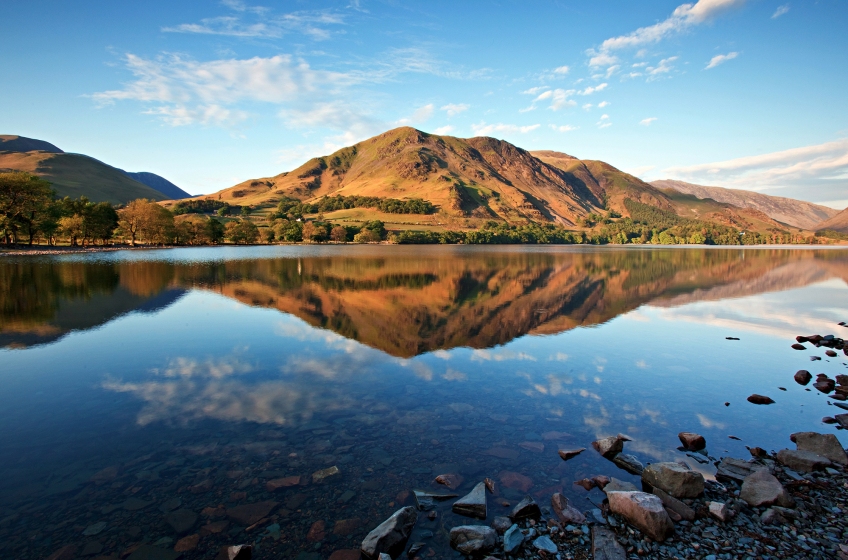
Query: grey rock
737,469
566,512
427,500
605,546
629,463
181,520
675,479
513,538
802,461
391,535
825,445
675,505
616,485
546,544
473,539
526,508
95,529
772,517
501,523
763,489
720,511
472,504
149,552
643,511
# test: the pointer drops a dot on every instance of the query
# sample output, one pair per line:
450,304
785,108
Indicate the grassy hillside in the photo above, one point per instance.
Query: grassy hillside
77,175
12,143
839,223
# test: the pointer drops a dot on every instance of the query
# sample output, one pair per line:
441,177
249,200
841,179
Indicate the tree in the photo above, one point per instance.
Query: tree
23,199
377,227
101,220
366,236
288,230
242,232
338,234
314,232
72,227
144,219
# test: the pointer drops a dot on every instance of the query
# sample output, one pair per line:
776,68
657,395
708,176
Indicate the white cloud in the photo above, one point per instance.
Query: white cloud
601,59
483,129
605,117
454,108
604,121
587,106
527,109
564,128
422,114
559,98
648,121
594,89
562,70
664,67
603,104
262,23
720,59
780,11
817,172
534,90
639,172
612,70
443,130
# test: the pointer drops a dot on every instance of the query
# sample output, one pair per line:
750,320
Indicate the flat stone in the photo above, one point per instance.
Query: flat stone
391,535
285,482
546,544
692,441
248,514
188,543
760,399
643,511
473,539
95,529
323,474
825,445
472,504
610,446
135,504
719,510
526,509
605,546
503,453
675,505
763,489
565,511
566,454
516,481
149,552
674,478
452,481
427,500
501,523
534,446
181,520
616,485
628,463
842,419
346,527
513,538
802,461
737,469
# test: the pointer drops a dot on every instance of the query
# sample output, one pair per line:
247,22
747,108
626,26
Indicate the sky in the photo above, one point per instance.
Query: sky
744,94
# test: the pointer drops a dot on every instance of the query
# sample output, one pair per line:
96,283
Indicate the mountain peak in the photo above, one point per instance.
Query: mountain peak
12,143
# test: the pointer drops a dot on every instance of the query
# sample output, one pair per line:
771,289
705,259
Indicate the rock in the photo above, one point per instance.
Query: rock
317,532
830,353
384,556
490,485
546,544
692,441
605,546
797,346
181,520
586,483
737,469
719,510
763,489
566,454
628,463
452,481
643,511
323,474
171,505
616,485
802,461
828,420
516,481
277,483
825,445
675,505
391,535
757,452
674,478
67,552
772,517
534,446
472,504
503,453
565,512
526,509
150,552
95,529
188,543
513,538
601,481
426,500
825,386
760,399
236,552
248,514
610,446
473,539
501,523
842,419
346,554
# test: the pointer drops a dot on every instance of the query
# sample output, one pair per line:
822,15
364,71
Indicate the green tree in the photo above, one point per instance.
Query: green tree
242,232
24,198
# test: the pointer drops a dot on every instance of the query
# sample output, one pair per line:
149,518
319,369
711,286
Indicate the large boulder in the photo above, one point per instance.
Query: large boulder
472,504
737,469
802,461
825,445
611,446
391,535
473,539
673,504
676,479
567,513
643,511
526,508
763,489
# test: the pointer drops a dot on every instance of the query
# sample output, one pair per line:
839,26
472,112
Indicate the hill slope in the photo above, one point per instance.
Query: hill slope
839,222
161,184
796,213
10,143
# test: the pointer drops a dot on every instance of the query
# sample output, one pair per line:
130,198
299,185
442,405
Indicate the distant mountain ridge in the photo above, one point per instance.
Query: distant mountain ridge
839,222
798,213
78,175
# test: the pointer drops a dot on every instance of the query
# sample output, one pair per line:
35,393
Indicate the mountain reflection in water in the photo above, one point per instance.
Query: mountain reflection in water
409,302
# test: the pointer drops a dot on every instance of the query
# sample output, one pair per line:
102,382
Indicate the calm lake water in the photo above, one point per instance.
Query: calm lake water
140,383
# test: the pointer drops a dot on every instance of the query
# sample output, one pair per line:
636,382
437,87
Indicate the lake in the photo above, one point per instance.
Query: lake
146,394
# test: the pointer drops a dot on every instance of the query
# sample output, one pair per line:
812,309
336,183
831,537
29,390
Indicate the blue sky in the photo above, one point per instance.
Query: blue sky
745,94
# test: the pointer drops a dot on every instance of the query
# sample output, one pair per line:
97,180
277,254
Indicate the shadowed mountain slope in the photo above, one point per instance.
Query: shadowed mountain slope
11,143
839,222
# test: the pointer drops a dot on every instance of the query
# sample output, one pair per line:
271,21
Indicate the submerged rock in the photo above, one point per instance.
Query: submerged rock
237,552
760,399
628,463
763,489
473,539
472,504
802,461
643,511
248,514
501,523
516,481
427,500
391,535
181,520
566,454
525,509
737,469
452,481
674,478
605,546
323,474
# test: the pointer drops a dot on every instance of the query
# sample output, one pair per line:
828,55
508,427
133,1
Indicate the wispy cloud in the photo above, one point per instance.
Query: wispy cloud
594,89
483,129
443,130
453,109
422,114
780,11
561,70
559,98
664,67
648,121
564,128
603,104
604,121
721,59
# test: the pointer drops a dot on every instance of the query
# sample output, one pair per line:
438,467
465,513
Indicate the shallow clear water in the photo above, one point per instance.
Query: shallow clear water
200,374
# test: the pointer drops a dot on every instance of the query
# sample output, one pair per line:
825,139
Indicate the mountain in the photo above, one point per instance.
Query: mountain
479,177
798,213
838,222
78,175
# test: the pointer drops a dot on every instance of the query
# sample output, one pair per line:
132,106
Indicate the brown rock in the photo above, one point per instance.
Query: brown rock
490,485
616,485
516,481
566,454
830,353
503,453
802,461
248,514
760,399
675,505
67,552
452,481
323,474
181,520
586,483
346,527
763,489
797,346
566,512
643,511
187,543
526,509
402,497
278,483
737,469
720,511
825,445
674,478
802,377
201,487
346,555
237,552
317,532
605,546
692,441
215,528
601,481
552,436
610,446
758,452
